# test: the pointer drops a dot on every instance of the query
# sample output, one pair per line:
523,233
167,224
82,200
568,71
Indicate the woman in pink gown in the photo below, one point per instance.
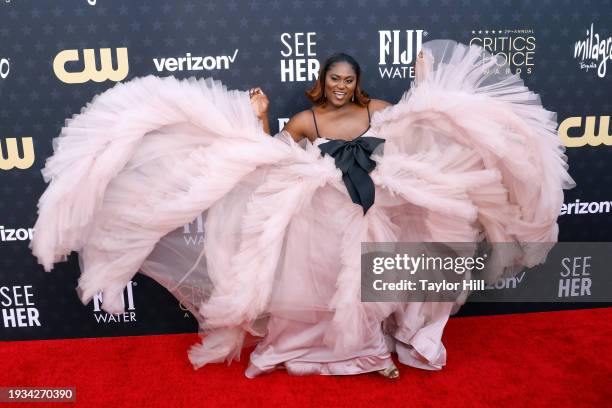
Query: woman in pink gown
284,217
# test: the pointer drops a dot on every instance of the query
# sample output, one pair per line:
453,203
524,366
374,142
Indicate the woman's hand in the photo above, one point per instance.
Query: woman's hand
259,102
421,67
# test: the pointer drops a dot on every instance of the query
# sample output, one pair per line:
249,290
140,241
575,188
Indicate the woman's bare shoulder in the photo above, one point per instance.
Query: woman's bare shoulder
301,125
378,104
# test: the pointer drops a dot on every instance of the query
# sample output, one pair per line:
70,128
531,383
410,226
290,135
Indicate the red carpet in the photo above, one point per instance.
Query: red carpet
538,359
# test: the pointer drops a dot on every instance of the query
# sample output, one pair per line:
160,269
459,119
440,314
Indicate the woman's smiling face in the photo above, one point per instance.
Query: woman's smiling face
340,84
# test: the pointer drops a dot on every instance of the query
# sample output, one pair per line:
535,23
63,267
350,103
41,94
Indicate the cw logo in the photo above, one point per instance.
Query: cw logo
588,136
90,71
12,159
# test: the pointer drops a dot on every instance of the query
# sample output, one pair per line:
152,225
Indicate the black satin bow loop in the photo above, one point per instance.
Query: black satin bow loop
353,159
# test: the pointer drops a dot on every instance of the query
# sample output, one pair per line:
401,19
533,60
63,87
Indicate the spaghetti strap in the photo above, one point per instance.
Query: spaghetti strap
368,108
315,122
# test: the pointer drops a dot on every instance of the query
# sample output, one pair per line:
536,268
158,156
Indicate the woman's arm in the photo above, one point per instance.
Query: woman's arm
266,123
260,103
378,104
298,126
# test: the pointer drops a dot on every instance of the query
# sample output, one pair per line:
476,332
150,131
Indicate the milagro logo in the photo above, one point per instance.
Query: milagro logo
587,133
15,234
195,63
594,52
89,70
299,62
5,67
18,306
512,50
10,157
129,314
586,207
397,52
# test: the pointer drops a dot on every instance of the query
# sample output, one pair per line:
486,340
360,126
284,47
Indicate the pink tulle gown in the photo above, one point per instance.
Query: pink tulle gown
468,154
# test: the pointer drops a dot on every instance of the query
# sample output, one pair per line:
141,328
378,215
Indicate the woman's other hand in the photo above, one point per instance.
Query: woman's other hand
421,66
259,102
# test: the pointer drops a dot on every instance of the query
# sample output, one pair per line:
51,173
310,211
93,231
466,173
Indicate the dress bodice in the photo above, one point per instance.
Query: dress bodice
352,157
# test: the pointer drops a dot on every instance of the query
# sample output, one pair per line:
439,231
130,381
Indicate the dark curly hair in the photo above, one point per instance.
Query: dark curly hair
316,94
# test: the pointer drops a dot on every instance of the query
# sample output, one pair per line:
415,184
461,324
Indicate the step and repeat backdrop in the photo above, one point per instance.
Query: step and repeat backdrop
55,56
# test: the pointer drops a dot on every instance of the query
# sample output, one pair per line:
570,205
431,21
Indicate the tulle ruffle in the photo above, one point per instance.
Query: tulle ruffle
274,239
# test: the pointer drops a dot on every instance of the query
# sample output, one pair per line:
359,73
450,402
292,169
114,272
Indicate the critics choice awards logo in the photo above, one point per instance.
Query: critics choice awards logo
513,50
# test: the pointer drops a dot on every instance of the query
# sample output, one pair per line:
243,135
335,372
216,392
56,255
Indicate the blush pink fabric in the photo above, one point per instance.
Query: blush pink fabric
469,154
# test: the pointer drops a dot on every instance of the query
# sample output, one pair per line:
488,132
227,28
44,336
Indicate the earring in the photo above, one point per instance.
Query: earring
353,98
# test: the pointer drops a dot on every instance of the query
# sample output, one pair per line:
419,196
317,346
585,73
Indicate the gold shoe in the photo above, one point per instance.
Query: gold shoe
390,372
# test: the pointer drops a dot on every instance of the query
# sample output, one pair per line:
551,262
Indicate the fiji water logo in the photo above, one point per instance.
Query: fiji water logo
193,232
397,52
129,314
594,52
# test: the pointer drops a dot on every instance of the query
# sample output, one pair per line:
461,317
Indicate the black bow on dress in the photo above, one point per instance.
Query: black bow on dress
352,157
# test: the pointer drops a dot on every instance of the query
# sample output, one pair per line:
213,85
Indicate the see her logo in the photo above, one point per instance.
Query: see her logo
18,306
